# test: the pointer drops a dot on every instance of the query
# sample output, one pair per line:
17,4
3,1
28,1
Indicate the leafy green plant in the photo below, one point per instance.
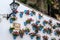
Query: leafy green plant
11,29
24,1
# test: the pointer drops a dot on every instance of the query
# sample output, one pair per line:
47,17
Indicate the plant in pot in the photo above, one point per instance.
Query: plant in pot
50,22
12,19
32,35
57,32
32,13
21,32
58,24
27,30
34,26
21,14
49,31
45,37
36,31
26,12
28,21
11,29
15,34
39,16
41,27
54,26
45,30
37,22
45,22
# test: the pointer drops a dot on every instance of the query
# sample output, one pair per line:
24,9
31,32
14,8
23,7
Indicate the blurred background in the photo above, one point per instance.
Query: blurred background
48,7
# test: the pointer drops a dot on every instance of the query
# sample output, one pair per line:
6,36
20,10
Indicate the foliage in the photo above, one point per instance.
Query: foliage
24,1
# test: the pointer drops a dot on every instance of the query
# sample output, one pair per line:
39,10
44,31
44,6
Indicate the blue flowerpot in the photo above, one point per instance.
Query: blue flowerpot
11,21
36,31
21,35
11,31
43,31
25,11
55,33
39,17
21,15
34,28
25,23
26,32
31,36
48,32
37,22
14,37
40,28
31,14
38,39
44,23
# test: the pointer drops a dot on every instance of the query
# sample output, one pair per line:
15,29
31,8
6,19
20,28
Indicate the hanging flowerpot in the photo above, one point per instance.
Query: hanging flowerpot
58,24
34,26
45,30
28,21
32,13
49,31
15,34
21,14
32,35
11,29
37,22
21,32
14,37
12,19
55,26
39,16
57,32
45,37
40,27
45,22
26,12
25,23
36,31
27,30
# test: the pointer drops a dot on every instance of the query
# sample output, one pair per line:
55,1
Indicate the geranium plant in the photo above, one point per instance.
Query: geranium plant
11,29
27,30
15,33
21,32
12,19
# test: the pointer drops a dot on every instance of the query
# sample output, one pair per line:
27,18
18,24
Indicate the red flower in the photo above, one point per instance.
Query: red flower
16,33
16,11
